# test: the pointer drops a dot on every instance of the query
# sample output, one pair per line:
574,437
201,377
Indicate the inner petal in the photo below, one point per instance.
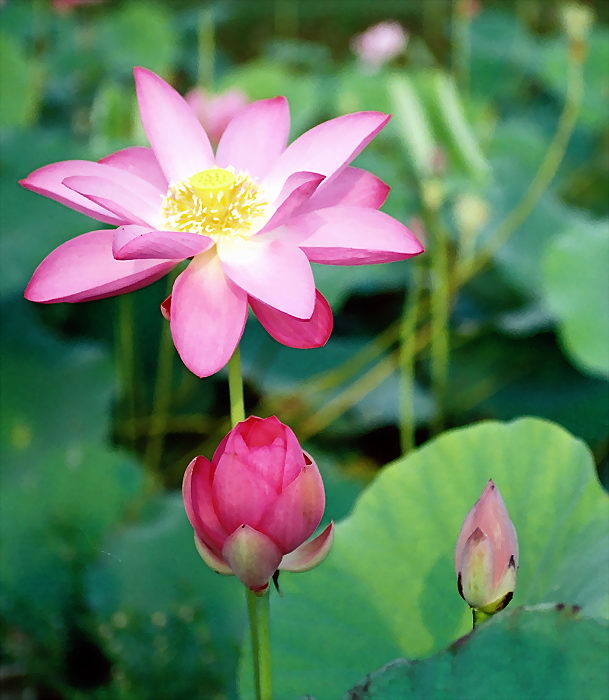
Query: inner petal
218,202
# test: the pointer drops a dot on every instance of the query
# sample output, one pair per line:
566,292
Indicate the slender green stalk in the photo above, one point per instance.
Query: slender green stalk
126,365
253,618
440,313
235,388
478,616
407,358
258,611
206,41
162,394
461,18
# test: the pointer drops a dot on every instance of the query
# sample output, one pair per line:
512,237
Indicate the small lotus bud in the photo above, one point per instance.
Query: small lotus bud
471,214
380,44
486,557
577,20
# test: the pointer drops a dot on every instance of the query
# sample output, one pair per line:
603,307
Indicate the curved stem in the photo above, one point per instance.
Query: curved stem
126,364
478,616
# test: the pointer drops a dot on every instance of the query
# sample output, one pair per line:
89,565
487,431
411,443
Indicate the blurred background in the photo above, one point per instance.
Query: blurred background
497,156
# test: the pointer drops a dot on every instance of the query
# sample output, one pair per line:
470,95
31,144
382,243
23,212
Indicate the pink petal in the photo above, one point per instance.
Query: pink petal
132,242
350,187
213,560
141,162
48,181
354,236
84,268
296,332
297,511
196,492
327,147
297,190
208,314
240,495
256,137
127,195
310,554
276,273
174,132
252,556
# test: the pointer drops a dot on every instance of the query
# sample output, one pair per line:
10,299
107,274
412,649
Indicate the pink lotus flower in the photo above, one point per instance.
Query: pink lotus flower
252,217
254,505
215,112
380,44
486,557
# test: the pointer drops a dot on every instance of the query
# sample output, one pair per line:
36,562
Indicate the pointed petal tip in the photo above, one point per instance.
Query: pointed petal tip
311,553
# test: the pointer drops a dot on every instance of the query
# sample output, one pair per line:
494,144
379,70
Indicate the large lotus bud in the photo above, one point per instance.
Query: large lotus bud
255,504
486,557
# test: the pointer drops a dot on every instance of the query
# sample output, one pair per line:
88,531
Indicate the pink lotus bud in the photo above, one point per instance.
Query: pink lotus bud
216,111
66,5
486,557
254,505
380,44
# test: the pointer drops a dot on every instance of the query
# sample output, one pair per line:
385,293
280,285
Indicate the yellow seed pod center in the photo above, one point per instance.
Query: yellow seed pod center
212,180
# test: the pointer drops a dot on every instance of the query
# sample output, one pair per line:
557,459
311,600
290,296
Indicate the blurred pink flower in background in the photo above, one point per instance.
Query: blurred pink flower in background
486,556
216,111
252,217
380,44
64,5
255,504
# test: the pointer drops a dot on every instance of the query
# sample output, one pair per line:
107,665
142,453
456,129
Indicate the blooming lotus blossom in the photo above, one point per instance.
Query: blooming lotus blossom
254,505
486,557
252,217
380,44
215,112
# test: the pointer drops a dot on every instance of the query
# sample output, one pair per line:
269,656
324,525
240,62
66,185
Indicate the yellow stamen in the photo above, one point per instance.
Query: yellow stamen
217,202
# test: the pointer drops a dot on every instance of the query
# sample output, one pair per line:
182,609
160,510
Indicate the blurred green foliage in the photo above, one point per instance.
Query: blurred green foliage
103,594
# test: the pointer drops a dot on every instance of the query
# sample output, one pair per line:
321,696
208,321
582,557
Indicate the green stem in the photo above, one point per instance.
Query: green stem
461,19
162,394
440,312
126,364
253,618
207,46
478,616
407,359
235,388
262,645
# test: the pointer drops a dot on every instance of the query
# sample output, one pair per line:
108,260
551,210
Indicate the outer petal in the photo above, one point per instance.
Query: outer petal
310,554
297,190
196,492
354,236
327,147
84,268
240,495
175,134
48,181
252,556
351,187
213,560
133,242
296,332
208,315
128,196
277,273
141,162
296,513
256,137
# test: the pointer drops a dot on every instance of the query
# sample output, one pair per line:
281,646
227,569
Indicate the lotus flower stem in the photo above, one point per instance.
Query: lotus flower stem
407,359
479,616
258,610
235,388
